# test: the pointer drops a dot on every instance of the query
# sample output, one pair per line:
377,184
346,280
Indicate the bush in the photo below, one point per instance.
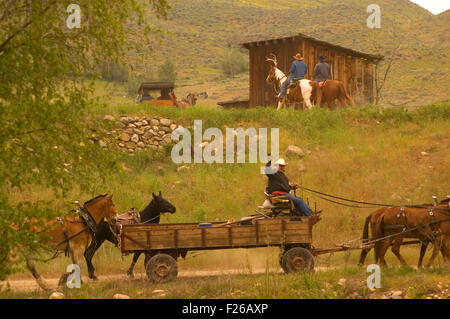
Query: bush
133,83
114,72
166,72
234,62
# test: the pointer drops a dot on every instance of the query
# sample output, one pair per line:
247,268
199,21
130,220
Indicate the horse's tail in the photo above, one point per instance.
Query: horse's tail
365,238
344,93
365,234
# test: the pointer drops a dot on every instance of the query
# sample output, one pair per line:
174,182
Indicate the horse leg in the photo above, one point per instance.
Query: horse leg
330,104
307,101
31,265
423,249
89,254
437,247
342,101
383,249
396,249
76,252
135,259
280,104
445,250
362,258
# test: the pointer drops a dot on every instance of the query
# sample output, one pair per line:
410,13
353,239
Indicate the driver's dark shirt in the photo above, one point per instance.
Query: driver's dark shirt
277,181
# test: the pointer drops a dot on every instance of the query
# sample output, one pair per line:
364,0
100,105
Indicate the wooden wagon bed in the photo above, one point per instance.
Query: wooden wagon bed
164,243
263,232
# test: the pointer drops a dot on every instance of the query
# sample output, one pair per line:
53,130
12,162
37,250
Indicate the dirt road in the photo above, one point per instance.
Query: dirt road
27,285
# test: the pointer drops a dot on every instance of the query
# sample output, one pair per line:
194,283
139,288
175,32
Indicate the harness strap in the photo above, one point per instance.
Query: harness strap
66,251
71,237
430,211
90,222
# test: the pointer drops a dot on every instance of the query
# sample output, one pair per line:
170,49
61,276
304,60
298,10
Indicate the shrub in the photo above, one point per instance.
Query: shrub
234,62
166,72
114,72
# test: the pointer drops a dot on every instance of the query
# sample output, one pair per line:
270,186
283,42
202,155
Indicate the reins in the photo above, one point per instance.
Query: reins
71,237
152,218
372,205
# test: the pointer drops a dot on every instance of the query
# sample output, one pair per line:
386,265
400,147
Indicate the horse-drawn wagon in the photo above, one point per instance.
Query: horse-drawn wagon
164,243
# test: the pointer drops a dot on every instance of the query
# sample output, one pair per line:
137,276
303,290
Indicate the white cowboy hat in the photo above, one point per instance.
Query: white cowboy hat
281,161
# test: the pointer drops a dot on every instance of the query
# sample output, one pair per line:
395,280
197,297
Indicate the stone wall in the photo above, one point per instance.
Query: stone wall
130,134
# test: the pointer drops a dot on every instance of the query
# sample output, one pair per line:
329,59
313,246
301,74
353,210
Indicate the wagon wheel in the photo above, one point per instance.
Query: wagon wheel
161,268
297,259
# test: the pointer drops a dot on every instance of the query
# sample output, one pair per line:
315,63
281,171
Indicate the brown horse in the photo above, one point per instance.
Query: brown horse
331,90
69,234
393,220
304,91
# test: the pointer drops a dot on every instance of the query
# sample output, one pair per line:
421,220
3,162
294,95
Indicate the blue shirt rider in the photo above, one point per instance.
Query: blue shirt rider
297,71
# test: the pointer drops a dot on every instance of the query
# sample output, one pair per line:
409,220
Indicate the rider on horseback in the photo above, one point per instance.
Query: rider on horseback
297,72
322,69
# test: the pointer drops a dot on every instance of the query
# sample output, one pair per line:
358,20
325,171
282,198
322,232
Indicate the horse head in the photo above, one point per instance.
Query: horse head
271,78
162,205
101,207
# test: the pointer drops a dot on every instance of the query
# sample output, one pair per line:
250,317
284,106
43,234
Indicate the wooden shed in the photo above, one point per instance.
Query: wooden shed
355,69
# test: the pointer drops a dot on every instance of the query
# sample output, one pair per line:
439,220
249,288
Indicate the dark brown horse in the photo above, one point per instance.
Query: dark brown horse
69,234
331,90
393,220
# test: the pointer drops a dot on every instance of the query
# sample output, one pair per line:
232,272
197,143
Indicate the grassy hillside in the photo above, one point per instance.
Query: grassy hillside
381,155
389,156
198,34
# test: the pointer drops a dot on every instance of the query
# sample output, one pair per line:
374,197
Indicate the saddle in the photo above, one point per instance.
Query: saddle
128,218
294,82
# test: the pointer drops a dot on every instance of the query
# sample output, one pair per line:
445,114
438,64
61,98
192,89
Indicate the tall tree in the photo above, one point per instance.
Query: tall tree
45,48
166,71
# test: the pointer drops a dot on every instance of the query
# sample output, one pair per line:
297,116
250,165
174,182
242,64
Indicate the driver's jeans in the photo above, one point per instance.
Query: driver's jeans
300,205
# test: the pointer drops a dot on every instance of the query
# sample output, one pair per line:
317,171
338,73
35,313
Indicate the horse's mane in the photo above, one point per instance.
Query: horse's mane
93,200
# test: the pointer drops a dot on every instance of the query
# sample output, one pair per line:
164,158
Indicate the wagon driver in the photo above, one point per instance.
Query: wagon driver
279,185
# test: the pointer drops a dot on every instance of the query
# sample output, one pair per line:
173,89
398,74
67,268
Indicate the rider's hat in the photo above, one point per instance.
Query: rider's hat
281,162
298,56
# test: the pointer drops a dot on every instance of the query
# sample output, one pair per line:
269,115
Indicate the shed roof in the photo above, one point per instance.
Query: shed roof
351,52
156,85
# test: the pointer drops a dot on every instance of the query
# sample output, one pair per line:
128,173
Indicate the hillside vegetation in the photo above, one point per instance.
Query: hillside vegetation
389,156
199,33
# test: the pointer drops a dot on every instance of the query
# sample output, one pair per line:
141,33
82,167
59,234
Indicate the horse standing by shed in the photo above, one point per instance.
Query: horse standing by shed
304,91
330,90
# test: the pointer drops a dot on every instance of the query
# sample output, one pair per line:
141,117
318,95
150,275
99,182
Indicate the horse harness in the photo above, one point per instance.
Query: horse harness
404,225
87,219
